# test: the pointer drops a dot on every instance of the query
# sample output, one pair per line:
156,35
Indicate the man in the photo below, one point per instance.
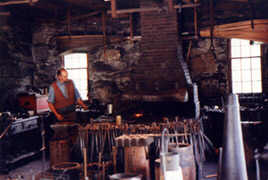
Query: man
63,97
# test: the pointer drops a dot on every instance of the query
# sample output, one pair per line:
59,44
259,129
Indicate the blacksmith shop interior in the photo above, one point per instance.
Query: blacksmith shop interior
133,90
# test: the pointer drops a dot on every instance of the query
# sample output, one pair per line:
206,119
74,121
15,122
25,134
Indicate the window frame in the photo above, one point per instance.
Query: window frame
87,68
229,49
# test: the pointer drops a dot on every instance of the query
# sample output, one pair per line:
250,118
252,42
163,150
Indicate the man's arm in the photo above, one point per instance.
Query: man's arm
53,109
81,103
78,98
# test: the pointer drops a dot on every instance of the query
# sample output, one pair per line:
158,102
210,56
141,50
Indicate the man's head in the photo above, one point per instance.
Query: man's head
62,75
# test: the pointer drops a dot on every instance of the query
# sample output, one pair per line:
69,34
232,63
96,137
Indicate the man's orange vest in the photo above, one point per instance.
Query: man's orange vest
60,100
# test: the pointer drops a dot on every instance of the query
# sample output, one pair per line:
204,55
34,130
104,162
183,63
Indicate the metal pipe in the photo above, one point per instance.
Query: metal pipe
257,157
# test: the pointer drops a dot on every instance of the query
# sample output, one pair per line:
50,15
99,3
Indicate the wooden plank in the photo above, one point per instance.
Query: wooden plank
17,2
67,43
79,37
113,7
84,16
149,9
241,30
4,13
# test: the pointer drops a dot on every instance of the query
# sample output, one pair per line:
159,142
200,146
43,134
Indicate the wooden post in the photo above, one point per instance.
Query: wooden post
104,32
170,6
131,25
195,20
99,165
113,7
85,162
114,158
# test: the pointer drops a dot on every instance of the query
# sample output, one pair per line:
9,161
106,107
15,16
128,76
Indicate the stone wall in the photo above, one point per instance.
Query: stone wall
113,68
30,56
210,68
110,67
16,64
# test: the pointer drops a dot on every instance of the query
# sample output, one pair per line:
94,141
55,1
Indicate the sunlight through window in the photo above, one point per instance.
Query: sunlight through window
76,65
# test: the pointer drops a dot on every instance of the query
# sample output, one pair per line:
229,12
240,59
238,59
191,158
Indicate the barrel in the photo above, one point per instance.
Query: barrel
136,161
68,170
125,176
187,162
59,151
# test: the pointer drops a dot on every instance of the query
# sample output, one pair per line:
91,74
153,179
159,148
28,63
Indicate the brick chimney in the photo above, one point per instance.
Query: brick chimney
159,69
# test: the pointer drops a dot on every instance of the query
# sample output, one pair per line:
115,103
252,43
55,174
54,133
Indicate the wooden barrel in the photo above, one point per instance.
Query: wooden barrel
187,162
136,161
59,151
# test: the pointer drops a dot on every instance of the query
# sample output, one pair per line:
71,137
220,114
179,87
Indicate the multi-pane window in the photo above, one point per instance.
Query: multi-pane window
76,65
246,66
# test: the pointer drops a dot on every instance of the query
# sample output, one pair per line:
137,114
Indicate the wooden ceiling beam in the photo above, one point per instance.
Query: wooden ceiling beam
135,10
18,2
83,16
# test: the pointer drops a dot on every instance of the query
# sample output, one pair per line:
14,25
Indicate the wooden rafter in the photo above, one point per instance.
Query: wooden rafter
131,25
134,10
113,7
170,6
195,19
241,30
18,2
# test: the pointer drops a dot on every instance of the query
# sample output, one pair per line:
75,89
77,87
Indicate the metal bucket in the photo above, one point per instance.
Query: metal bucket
187,162
172,160
125,176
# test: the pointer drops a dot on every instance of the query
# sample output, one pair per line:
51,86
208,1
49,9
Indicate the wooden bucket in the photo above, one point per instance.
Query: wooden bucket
136,161
59,151
187,162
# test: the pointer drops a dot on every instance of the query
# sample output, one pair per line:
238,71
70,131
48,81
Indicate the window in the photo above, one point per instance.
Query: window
76,65
246,66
